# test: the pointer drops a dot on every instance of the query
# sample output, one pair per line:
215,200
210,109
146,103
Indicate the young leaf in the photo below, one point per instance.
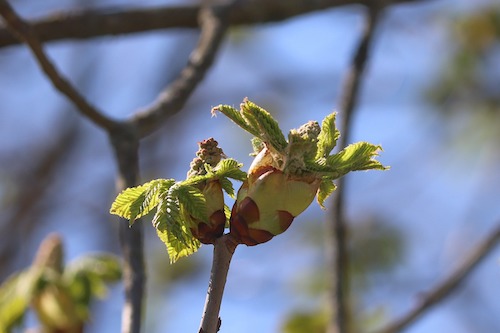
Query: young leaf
86,278
357,156
230,168
135,202
227,186
192,200
236,117
14,300
327,139
257,146
106,267
177,248
269,130
172,231
325,189
227,212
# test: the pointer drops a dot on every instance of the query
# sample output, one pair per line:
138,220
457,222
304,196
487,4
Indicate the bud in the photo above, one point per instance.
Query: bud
269,200
286,175
207,231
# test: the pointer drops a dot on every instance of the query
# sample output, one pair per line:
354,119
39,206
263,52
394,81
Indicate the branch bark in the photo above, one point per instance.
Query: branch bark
214,19
336,251
109,22
125,142
223,252
446,287
25,33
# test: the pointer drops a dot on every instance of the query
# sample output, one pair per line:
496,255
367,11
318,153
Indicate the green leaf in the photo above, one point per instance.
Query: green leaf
269,130
86,277
257,146
135,202
225,168
15,295
327,139
106,267
230,168
176,247
325,189
172,230
227,186
236,117
192,200
355,157
227,212
256,121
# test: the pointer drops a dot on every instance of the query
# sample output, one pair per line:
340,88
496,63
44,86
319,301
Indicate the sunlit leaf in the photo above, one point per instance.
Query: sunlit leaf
14,300
227,186
135,202
172,231
357,156
236,117
192,200
327,139
227,212
269,130
230,168
325,189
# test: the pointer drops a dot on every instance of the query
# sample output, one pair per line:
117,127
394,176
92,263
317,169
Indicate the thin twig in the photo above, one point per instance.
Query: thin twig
26,33
213,20
446,287
110,21
337,244
223,252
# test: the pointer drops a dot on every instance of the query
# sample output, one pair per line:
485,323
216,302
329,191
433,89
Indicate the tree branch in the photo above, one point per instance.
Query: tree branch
26,33
105,22
126,147
213,20
223,252
337,226
446,287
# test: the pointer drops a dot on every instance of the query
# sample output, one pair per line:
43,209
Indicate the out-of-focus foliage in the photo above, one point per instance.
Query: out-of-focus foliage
59,295
469,84
375,248
303,321
472,73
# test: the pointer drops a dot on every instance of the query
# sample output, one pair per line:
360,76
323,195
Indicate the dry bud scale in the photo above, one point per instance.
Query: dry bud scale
283,180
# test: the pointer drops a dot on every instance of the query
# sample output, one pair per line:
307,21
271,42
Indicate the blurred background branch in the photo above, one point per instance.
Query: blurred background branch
94,23
427,300
337,228
27,34
213,20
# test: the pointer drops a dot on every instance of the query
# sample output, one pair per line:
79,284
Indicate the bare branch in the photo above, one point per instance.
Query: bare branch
337,244
446,287
27,34
214,24
105,22
223,252
126,147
